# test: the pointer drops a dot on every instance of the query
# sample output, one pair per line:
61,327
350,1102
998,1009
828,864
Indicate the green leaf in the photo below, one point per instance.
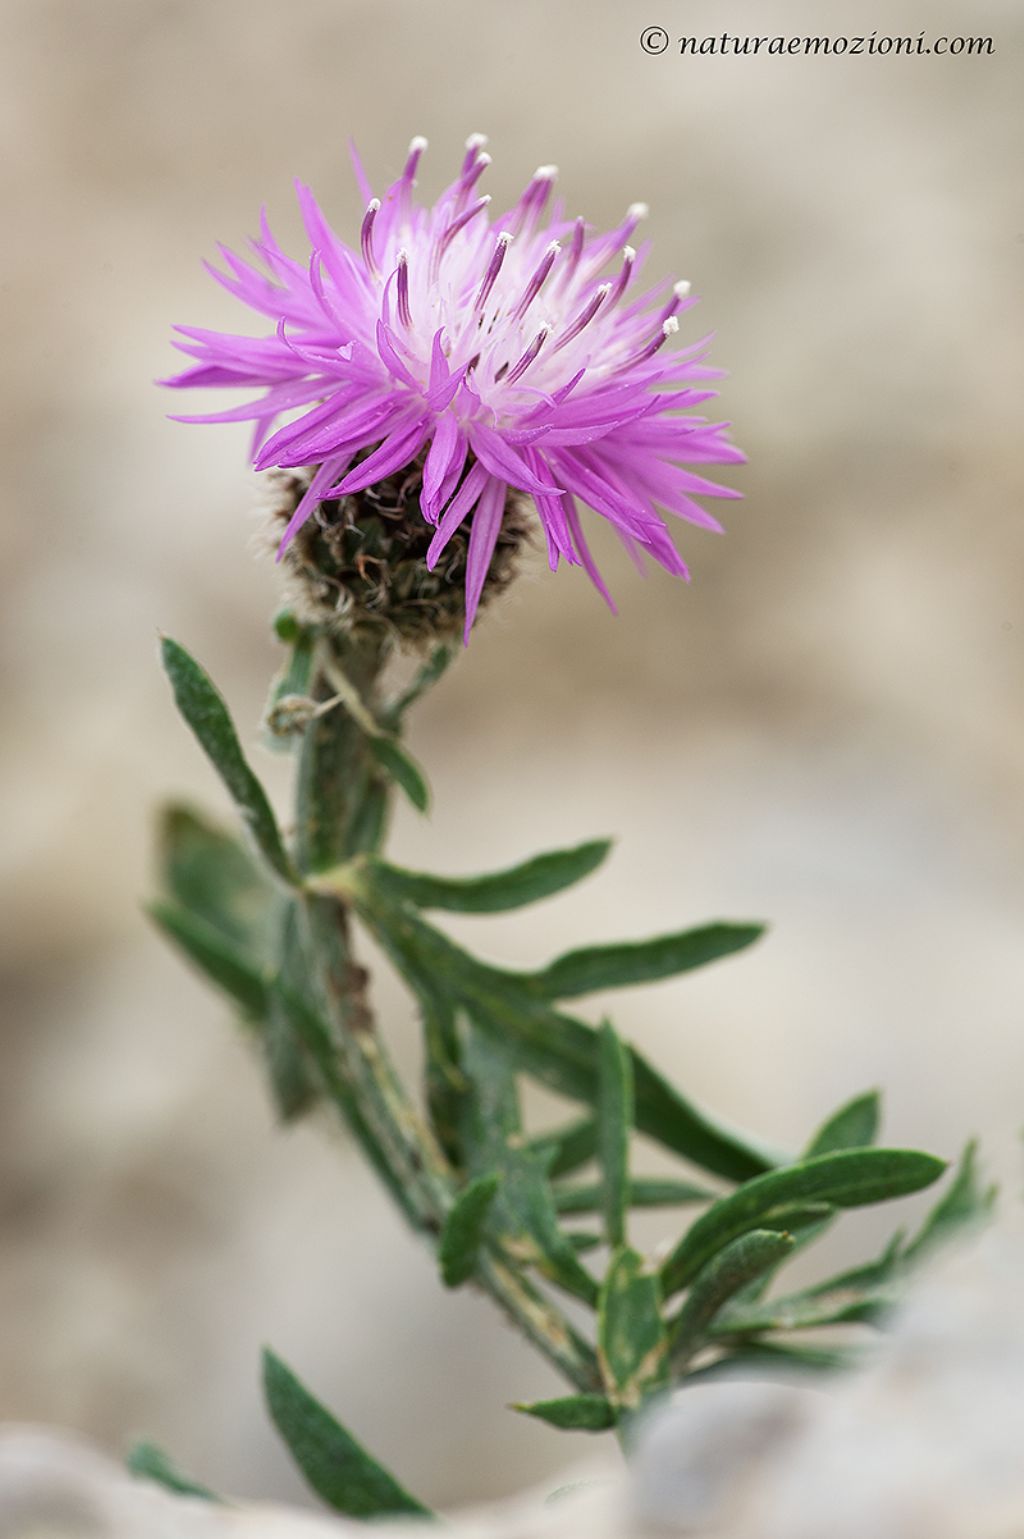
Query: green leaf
463,1232
292,1087
204,709
642,1192
756,1356
524,1214
566,1149
224,962
848,1179
807,1311
964,1205
583,1240
151,1463
573,1413
428,675
292,1076
338,1468
615,1122
853,1126
856,1295
632,1346
403,769
498,891
616,966
557,1049
241,931
731,1269
522,1217
445,1081
665,1114
490,1115
207,871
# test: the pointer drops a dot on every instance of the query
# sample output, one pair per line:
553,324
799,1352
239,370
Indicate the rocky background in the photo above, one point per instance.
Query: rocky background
823,730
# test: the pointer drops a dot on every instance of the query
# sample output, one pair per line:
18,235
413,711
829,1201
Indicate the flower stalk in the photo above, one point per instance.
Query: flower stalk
342,809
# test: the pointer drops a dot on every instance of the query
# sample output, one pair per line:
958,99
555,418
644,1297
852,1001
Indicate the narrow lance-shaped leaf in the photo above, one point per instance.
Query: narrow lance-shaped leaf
425,679
204,709
848,1179
583,1240
964,1205
731,1269
221,960
522,1215
151,1463
806,1311
617,966
573,1413
853,1126
615,1122
403,769
464,1229
497,891
445,1082
207,871
755,1357
632,1345
338,1468
565,1149
642,1192
291,1073
384,745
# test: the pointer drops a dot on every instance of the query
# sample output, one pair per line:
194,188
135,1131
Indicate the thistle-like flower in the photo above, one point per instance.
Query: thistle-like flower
499,357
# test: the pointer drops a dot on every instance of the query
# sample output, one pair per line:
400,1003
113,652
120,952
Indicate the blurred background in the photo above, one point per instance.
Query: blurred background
824,730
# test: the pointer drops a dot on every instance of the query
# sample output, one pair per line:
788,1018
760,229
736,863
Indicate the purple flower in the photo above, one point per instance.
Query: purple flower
513,353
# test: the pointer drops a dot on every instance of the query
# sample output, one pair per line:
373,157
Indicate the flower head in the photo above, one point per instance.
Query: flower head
502,356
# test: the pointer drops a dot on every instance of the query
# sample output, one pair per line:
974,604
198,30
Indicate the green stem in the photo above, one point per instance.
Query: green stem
342,809
342,798
540,1322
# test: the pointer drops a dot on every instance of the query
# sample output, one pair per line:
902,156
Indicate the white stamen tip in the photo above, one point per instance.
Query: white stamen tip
486,198
403,258
476,141
638,211
554,248
417,143
604,291
670,326
373,207
505,237
545,173
628,254
681,289
483,160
